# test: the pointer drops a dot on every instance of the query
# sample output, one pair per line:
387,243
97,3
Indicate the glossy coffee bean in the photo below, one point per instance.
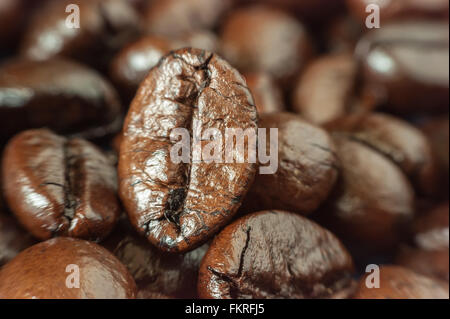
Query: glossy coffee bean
49,269
275,254
11,16
401,283
61,95
399,10
176,17
13,239
406,65
263,39
266,92
307,167
60,187
372,200
105,25
179,206
429,253
155,272
326,91
398,140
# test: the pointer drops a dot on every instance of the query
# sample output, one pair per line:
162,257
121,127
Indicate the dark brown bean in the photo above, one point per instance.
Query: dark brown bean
61,95
43,271
401,283
179,206
275,254
60,187
266,92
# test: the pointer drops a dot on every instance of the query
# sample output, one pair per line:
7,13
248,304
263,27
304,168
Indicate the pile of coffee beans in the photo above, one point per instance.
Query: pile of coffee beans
119,177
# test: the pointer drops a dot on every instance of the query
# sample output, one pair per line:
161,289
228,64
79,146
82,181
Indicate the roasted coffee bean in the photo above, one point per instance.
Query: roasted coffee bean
266,92
13,239
155,272
176,17
131,65
105,25
406,65
60,187
398,140
61,95
178,206
11,16
327,90
401,283
429,254
399,10
49,269
275,254
307,167
263,39
372,200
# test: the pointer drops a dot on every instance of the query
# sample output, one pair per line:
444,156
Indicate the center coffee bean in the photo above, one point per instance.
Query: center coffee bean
60,187
178,206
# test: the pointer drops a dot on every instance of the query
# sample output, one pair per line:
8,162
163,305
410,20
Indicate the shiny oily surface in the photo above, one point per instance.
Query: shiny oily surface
405,64
401,283
260,38
176,17
307,167
105,26
40,272
60,187
179,206
266,92
398,140
275,254
13,239
59,94
372,200
155,272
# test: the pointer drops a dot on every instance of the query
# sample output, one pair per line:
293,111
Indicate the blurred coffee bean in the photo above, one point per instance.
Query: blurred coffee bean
406,65
11,19
372,200
400,9
13,239
47,271
263,39
64,96
155,272
327,90
306,170
179,203
176,17
266,92
60,187
275,254
398,140
401,283
105,26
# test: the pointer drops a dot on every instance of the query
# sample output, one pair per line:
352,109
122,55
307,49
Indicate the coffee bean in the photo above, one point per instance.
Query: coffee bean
398,140
60,187
401,283
13,239
406,65
176,17
262,39
372,200
266,92
48,270
275,254
399,10
105,25
156,272
327,91
61,95
179,206
307,167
